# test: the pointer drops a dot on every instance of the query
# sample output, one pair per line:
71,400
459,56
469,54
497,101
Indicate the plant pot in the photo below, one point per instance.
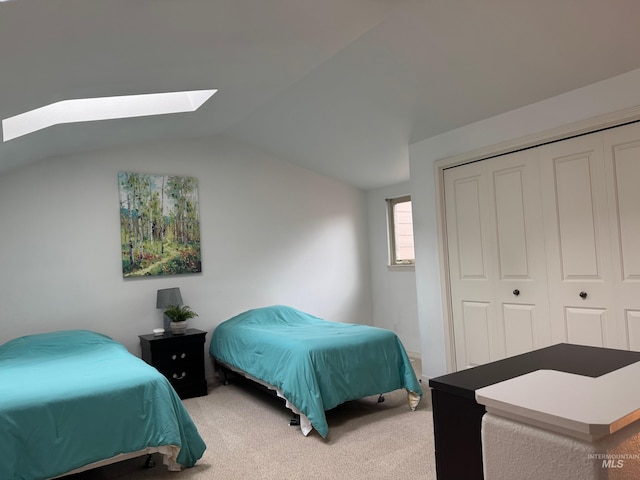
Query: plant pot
178,328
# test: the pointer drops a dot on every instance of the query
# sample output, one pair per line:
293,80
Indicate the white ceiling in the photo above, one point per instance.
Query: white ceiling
341,87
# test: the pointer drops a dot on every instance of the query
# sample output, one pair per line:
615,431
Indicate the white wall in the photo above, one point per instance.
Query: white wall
271,233
394,288
604,97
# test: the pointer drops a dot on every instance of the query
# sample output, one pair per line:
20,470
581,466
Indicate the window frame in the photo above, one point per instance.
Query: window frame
391,230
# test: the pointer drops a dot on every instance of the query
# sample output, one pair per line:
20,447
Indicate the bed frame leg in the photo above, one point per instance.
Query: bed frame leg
295,420
149,462
381,398
225,376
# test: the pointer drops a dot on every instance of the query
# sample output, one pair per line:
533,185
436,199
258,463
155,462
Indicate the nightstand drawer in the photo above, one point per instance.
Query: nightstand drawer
180,358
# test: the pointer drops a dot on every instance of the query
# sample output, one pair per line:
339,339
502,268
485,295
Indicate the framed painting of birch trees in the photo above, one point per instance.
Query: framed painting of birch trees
159,224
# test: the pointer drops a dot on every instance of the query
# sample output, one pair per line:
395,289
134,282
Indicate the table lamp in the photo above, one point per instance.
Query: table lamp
166,297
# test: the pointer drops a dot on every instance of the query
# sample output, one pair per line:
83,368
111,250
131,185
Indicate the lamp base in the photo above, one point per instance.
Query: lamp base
167,321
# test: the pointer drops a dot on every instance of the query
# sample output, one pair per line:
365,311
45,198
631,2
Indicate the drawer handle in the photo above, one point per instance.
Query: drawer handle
516,292
182,355
175,375
583,295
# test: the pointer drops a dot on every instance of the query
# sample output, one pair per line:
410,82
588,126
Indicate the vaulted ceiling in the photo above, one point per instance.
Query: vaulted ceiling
341,87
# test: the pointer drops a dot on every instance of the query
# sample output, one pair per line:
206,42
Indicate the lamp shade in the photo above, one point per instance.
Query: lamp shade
168,296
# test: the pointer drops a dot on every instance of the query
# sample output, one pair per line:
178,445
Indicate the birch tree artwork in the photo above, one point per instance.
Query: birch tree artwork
159,224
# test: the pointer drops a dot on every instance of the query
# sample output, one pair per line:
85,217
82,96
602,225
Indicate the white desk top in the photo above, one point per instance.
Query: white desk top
583,407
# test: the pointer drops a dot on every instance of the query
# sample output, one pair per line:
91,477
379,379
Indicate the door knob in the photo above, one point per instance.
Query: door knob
583,295
516,292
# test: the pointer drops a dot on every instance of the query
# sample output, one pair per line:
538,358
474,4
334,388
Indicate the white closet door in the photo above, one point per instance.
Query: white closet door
521,268
469,238
622,160
578,242
496,258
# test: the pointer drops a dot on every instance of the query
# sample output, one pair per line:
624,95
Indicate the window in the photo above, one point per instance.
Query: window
102,108
400,231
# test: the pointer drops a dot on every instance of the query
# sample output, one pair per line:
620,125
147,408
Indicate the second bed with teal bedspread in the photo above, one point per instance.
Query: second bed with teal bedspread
72,398
315,363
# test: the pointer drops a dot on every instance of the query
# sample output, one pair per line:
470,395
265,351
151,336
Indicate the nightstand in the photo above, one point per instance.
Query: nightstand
180,358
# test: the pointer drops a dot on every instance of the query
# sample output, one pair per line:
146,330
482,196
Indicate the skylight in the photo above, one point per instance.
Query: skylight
103,108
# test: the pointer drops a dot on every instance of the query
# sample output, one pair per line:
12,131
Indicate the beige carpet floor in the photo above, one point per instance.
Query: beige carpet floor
248,436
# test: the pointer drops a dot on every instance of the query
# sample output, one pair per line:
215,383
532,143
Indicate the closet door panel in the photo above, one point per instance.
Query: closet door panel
576,217
470,264
519,328
622,160
586,326
471,244
476,319
513,261
521,276
627,174
577,235
633,329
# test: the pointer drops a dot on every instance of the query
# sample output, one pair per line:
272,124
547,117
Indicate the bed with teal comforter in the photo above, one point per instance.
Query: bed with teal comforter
73,398
316,364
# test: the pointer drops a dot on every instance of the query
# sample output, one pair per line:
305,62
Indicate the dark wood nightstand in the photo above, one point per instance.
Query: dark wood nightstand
180,358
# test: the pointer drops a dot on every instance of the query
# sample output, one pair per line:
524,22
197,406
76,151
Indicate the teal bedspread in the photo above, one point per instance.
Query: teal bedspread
71,398
317,364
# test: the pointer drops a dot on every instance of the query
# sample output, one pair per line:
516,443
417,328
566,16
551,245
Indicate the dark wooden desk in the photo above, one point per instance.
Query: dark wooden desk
457,417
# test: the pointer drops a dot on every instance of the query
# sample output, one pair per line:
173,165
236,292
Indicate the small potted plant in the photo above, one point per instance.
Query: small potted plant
179,314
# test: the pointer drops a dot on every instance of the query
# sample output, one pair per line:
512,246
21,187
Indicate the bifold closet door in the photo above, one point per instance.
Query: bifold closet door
576,224
497,267
622,163
544,247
